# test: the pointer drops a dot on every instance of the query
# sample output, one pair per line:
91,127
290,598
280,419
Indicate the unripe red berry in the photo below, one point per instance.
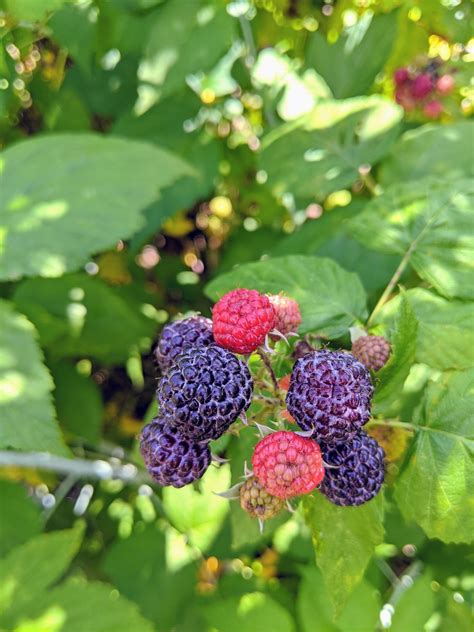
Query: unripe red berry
404,98
421,86
401,76
287,464
433,109
241,319
445,84
287,314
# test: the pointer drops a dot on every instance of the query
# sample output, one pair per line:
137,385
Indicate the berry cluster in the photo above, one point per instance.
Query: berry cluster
205,388
422,88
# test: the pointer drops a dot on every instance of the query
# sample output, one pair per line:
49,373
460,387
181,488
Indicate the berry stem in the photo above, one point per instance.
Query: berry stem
268,365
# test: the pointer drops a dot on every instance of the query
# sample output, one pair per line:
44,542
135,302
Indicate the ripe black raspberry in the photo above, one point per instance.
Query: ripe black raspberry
257,502
358,471
170,458
373,351
204,392
330,392
181,335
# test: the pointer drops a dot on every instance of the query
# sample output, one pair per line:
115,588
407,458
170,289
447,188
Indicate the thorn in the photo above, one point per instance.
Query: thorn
290,507
261,525
266,346
305,433
263,431
218,459
247,473
275,332
328,466
293,334
231,493
243,418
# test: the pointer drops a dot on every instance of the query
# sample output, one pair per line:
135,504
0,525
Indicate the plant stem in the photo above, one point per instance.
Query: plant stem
61,492
404,583
268,365
81,468
394,423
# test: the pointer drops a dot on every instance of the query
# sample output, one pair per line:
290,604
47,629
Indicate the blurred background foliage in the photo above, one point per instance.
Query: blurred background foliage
216,133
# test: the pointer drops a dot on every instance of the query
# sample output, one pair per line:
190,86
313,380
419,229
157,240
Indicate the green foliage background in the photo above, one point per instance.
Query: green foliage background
157,153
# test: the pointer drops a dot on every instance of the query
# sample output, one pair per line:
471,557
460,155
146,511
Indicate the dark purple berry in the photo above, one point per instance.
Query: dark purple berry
354,470
180,335
330,392
204,392
170,458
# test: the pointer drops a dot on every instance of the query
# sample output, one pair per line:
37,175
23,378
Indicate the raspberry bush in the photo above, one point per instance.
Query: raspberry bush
236,316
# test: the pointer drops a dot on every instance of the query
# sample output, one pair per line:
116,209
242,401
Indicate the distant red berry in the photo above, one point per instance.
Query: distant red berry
421,86
404,98
241,319
288,465
433,109
287,314
445,84
401,76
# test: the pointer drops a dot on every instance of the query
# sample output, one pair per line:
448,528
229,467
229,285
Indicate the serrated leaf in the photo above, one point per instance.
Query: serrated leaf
435,487
350,66
20,519
27,419
437,150
326,147
90,606
199,513
430,222
344,539
390,379
252,612
314,606
330,299
445,338
32,567
73,317
87,195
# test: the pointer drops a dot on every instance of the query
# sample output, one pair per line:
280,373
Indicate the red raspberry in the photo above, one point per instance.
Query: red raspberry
287,314
401,76
421,86
241,319
433,109
287,465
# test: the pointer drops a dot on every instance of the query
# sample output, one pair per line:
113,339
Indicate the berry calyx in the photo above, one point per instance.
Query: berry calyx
372,351
241,319
355,471
287,465
330,394
257,502
170,458
179,336
287,314
204,392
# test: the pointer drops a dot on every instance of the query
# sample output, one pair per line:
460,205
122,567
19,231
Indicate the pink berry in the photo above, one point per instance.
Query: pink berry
287,314
421,86
445,84
404,98
433,109
400,76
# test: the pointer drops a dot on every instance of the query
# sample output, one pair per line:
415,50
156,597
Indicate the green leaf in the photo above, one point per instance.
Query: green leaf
445,338
35,565
73,318
87,195
344,539
137,567
26,412
314,606
431,150
199,514
435,487
91,606
326,147
415,607
21,518
350,65
430,222
252,612
78,402
330,299
31,10
390,379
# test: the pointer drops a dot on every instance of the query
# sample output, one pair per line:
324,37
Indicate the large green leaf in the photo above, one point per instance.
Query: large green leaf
415,606
445,338
351,64
435,487
314,606
392,376
78,315
83,193
437,150
344,539
330,298
322,151
35,565
78,606
431,223
20,519
31,10
252,612
27,420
